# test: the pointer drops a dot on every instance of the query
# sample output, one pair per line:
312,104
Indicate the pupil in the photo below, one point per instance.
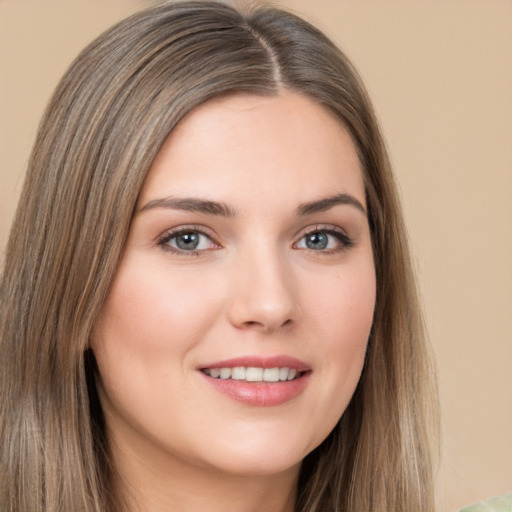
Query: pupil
317,241
187,241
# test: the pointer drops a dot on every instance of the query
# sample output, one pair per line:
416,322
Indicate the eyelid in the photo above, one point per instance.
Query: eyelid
324,227
327,228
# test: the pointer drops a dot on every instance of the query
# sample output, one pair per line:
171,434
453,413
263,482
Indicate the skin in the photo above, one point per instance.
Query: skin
252,287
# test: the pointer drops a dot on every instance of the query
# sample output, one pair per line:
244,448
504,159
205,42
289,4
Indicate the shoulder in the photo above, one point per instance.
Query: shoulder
496,504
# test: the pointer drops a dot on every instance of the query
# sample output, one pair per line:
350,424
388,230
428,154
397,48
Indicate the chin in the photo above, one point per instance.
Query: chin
261,464
259,455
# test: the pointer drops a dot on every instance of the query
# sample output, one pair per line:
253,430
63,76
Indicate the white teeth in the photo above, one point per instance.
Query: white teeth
253,374
225,373
238,373
271,374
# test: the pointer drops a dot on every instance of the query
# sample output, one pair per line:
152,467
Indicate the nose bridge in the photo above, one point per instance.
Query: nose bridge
263,291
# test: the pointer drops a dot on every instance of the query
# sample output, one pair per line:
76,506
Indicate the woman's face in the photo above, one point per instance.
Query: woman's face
235,330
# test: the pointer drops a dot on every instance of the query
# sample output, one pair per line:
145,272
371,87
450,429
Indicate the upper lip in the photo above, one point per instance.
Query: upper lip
278,361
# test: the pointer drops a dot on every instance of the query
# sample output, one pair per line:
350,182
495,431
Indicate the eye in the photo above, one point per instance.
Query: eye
326,240
187,241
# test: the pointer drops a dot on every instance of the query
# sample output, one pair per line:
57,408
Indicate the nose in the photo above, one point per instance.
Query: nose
263,293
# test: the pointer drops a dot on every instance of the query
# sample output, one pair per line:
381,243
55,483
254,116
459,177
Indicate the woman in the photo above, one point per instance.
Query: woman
207,300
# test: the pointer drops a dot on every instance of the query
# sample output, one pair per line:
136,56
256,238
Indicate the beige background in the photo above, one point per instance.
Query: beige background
440,74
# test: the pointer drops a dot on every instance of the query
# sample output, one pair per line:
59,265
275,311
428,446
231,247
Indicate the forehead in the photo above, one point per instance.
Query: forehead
244,145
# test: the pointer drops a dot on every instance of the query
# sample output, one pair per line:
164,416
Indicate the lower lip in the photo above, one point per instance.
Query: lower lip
261,394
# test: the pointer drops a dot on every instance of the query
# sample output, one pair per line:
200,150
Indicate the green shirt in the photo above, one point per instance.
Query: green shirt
497,504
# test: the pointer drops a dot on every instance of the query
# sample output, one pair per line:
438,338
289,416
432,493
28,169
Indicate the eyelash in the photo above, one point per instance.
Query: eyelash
174,233
345,242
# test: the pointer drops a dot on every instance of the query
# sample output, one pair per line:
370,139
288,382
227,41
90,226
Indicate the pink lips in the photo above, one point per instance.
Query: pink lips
260,393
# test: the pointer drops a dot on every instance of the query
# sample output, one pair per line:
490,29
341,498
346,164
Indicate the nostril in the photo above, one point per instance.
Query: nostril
265,326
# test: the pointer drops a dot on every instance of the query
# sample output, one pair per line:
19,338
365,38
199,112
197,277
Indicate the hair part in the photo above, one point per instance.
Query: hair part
103,127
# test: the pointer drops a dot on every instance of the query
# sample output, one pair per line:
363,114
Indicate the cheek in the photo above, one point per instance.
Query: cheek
343,307
342,314
146,332
353,322
152,320
153,310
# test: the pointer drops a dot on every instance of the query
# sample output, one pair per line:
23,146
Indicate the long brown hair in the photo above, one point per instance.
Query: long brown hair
108,118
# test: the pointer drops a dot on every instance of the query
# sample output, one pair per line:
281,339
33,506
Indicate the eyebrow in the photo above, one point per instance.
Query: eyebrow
190,204
223,210
329,202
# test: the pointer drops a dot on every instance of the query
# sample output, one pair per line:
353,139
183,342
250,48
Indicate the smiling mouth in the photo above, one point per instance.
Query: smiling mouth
254,374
